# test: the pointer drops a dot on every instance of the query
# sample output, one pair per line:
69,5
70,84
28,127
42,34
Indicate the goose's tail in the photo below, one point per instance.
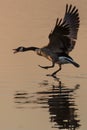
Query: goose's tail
70,60
75,64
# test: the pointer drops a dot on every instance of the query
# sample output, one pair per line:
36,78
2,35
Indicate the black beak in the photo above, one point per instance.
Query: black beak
15,51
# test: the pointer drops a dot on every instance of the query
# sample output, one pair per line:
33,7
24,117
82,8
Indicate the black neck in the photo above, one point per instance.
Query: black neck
30,48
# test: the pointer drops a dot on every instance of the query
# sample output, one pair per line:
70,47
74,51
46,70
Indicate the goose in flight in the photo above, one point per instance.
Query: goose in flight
61,40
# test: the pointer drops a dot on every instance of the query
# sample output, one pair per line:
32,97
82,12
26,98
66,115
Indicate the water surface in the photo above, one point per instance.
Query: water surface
29,99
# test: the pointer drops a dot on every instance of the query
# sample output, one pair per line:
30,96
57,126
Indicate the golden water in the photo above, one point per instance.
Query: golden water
29,100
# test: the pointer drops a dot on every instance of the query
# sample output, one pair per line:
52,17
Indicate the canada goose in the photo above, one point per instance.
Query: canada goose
61,40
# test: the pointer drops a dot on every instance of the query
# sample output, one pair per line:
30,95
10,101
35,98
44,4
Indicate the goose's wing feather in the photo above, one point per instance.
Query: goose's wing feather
72,19
64,35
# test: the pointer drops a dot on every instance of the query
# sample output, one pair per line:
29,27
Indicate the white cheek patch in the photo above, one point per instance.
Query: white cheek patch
21,49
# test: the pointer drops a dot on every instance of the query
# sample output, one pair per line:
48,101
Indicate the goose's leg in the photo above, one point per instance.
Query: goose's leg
47,67
54,73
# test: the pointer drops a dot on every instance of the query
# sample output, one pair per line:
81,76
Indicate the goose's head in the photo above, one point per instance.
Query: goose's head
19,49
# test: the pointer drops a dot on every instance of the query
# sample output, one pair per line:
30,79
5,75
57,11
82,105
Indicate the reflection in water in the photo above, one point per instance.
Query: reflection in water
59,99
62,108
22,99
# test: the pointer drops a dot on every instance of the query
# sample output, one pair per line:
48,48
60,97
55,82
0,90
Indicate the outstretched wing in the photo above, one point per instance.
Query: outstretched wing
64,35
72,19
